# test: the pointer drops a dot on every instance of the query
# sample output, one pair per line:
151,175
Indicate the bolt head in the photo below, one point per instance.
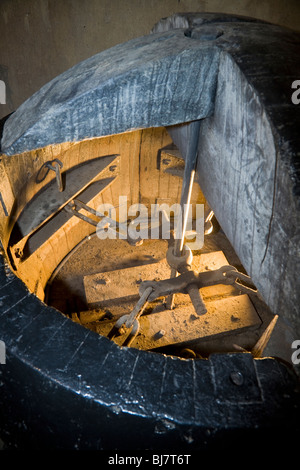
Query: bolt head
237,378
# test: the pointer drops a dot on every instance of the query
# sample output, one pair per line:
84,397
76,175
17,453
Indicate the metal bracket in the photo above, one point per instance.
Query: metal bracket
127,322
72,207
54,165
225,275
120,230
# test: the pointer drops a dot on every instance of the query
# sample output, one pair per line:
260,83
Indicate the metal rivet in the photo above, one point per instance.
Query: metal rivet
159,334
237,378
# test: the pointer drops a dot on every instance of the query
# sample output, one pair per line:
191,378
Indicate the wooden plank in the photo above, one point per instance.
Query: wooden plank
116,292
224,316
130,157
6,203
151,186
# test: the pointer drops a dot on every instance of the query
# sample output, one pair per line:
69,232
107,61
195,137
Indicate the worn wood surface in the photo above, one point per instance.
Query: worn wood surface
117,292
35,253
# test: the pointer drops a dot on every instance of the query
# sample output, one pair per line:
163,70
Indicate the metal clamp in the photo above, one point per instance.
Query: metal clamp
233,276
182,264
119,229
131,321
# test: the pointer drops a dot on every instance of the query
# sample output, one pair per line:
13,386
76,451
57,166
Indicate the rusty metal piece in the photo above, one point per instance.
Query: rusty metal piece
208,225
189,282
130,321
181,264
72,208
233,277
106,222
197,299
159,334
180,283
138,309
182,261
55,165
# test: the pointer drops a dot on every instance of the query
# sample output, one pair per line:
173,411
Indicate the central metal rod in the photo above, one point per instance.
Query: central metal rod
193,130
181,227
